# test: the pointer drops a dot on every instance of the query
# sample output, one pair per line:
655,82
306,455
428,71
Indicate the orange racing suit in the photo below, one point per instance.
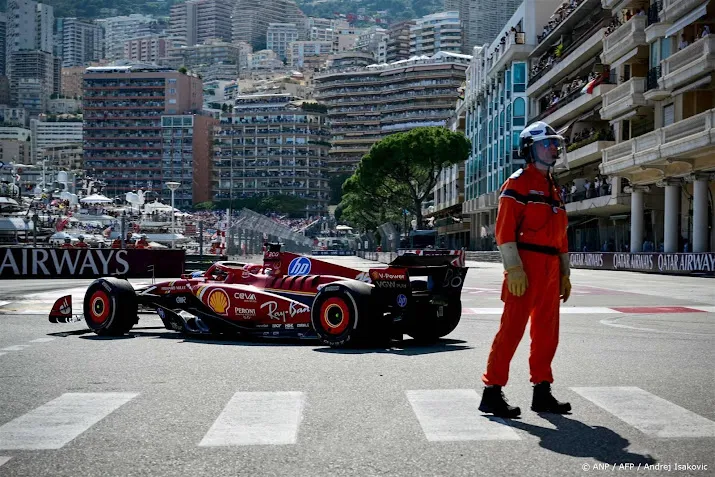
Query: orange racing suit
532,214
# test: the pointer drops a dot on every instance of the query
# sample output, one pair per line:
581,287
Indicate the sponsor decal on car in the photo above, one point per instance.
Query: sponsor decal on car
381,284
262,325
331,288
298,308
217,300
180,300
246,313
302,325
401,300
273,312
245,296
300,266
288,326
272,255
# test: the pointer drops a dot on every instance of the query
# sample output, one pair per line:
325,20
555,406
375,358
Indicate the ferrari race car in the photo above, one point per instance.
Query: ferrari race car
289,295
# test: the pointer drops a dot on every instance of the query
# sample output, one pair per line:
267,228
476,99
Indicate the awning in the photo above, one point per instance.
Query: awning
687,20
624,58
14,224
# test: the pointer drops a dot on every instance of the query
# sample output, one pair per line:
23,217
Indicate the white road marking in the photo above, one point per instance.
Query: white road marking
15,348
2,354
650,414
61,420
567,310
42,340
3,303
257,418
453,415
3,459
612,322
707,309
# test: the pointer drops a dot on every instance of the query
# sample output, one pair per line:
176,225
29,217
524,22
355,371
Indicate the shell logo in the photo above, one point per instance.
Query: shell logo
218,301
374,274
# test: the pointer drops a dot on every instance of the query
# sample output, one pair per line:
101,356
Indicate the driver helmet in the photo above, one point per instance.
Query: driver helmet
541,145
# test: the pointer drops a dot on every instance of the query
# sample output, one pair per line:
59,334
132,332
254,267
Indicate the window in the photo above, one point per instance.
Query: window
665,51
668,115
172,101
519,112
519,77
172,90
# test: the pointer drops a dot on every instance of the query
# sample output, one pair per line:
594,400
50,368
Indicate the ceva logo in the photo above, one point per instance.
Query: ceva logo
299,266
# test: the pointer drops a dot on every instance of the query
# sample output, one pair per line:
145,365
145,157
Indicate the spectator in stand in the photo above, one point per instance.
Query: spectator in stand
67,244
587,188
81,243
705,32
597,186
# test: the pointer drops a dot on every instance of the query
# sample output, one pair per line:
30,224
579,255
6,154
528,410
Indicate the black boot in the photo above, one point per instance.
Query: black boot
544,401
494,402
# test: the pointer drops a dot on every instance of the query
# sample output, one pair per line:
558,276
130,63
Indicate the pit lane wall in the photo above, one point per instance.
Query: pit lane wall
701,264
37,262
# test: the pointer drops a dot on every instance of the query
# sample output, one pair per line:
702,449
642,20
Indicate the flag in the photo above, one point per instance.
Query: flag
61,224
107,231
588,89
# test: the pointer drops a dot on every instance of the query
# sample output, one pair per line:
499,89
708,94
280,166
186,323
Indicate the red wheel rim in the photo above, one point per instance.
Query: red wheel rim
334,315
99,307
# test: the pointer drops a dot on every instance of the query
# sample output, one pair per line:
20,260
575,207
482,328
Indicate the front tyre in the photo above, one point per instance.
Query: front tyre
334,317
110,307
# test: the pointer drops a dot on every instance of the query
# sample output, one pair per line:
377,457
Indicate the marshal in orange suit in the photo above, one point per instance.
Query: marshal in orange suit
531,236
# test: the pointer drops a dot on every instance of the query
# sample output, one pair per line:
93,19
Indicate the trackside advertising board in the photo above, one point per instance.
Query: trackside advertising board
663,263
89,263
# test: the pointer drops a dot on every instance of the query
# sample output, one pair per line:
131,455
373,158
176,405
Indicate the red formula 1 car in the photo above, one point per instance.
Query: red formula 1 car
289,295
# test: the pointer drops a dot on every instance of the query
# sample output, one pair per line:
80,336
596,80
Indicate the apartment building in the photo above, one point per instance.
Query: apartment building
398,41
252,17
303,53
126,109
13,150
145,50
279,36
370,40
48,132
323,29
271,145
33,80
568,82
436,32
3,47
366,104
662,113
72,81
118,30
497,110
197,21
82,42
14,117
481,20
29,27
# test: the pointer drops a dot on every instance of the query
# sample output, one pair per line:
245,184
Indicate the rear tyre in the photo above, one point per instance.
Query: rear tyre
110,307
334,317
429,327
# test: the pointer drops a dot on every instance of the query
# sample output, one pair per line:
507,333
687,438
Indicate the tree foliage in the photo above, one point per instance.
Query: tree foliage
399,173
396,9
280,204
336,187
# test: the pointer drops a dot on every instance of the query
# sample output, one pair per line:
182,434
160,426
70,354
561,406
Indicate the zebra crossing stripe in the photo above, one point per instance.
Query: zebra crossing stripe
453,415
650,414
15,348
257,418
59,421
3,460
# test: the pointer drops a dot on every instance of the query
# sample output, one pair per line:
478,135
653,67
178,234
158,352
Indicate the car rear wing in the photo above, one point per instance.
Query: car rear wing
429,257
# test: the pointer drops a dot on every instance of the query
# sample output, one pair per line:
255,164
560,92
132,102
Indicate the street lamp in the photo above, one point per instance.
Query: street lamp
172,186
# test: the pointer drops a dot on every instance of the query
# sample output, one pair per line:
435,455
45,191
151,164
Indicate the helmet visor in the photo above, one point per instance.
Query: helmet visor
550,151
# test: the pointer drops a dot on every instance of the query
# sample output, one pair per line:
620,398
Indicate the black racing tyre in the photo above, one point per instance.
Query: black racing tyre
429,327
110,307
335,317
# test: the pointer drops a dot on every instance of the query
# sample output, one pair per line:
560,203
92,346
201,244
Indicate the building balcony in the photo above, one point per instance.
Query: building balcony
689,64
628,36
604,205
587,153
569,63
689,139
574,105
653,90
584,10
514,49
672,10
624,98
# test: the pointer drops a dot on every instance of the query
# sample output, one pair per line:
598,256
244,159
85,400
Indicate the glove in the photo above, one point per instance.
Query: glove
516,280
565,292
565,268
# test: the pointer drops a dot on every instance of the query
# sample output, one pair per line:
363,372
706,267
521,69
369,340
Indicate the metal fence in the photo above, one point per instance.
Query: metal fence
249,230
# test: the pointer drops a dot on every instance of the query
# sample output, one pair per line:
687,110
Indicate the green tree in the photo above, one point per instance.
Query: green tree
182,70
336,188
204,206
400,172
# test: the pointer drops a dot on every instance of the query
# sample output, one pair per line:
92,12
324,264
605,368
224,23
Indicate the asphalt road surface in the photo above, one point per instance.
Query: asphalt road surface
636,360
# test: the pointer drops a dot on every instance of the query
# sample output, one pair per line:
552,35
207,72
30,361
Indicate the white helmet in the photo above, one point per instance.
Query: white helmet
540,144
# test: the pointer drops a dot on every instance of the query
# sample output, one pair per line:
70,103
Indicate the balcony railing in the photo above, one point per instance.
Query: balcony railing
623,98
675,9
689,63
654,12
625,38
653,77
683,133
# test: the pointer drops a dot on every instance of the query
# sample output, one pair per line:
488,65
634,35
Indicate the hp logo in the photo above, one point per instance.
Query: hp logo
401,300
299,266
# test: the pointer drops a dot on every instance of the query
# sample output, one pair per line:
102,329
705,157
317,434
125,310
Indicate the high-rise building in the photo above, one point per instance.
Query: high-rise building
497,110
269,146
82,42
252,17
72,81
126,109
33,80
398,41
367,104
48,132
3,34
481,19
145,50
117,30
279,36
301,53
197,21
323,29
29,26
436,32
